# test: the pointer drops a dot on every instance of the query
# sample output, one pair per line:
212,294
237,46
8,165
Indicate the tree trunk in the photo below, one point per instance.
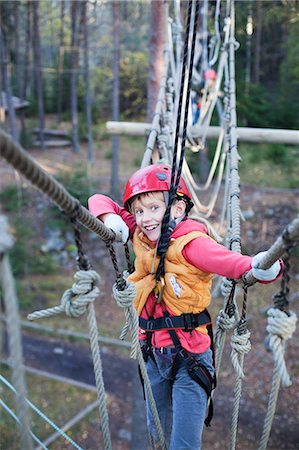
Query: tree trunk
38,72
115,192
258,42
156,45
60,62
249,31
88,101
7,89
17,48
27,51
74,75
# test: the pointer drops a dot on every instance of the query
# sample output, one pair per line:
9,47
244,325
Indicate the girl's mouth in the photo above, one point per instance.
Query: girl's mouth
150,227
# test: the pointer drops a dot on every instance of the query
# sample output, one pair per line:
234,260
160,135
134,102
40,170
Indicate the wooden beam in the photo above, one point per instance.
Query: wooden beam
256,135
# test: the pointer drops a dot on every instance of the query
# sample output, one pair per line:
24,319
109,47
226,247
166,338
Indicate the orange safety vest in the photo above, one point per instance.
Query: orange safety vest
187,288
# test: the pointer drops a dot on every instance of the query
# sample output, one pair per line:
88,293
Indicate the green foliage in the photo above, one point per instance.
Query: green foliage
13,197
255,109
101,88
26,257
260,160
133,85
76,183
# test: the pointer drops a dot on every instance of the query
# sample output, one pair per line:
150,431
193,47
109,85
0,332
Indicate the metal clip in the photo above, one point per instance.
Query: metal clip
161,289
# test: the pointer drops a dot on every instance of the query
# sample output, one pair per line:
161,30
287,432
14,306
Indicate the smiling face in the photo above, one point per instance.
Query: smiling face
148,210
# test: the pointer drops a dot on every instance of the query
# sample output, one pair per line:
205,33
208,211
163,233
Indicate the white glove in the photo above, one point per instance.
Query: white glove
116,224
267,274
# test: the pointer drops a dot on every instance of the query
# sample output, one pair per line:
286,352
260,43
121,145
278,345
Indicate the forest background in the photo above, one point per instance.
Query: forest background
76,64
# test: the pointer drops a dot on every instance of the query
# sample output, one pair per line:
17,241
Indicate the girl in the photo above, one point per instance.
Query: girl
172,312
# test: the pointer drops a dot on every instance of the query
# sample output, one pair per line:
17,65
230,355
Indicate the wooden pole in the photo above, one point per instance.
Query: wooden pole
255,135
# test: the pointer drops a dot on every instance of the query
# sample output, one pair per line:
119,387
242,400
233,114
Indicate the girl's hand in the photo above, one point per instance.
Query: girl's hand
267,274
116,224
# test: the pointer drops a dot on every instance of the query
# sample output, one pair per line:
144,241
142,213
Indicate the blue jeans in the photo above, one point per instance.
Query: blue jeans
181,403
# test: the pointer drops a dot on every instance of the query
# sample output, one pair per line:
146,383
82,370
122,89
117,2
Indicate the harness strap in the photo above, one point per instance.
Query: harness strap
186,322
197,371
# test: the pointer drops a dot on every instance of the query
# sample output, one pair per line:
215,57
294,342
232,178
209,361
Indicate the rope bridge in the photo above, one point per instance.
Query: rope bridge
79,299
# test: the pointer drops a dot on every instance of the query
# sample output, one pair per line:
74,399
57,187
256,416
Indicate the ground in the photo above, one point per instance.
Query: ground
267,212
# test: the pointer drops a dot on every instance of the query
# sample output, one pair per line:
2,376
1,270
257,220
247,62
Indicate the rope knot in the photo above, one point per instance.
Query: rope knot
240,346
76,299
281,327
124,292
280,323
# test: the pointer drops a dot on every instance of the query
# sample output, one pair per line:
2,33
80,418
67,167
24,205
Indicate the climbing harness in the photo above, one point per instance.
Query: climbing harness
186,322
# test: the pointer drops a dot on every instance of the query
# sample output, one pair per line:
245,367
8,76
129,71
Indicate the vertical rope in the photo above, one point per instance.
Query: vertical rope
176,173
84,264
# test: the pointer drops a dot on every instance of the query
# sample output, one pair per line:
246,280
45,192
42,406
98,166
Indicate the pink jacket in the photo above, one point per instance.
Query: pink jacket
205,254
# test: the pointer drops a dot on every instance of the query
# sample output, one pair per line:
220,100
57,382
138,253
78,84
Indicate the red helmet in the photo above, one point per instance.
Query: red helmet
155,177
210,74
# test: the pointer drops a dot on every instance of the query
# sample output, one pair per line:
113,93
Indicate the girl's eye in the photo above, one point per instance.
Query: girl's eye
138,212
154,208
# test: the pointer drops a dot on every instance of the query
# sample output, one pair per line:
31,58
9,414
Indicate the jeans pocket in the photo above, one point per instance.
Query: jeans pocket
164,364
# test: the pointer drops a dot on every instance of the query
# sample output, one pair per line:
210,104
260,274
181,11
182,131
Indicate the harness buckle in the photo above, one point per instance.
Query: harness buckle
169,322
161,290
189,322
150,324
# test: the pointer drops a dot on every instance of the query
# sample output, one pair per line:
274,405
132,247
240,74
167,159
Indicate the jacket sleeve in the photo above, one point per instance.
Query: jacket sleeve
99,204
212,257
209,256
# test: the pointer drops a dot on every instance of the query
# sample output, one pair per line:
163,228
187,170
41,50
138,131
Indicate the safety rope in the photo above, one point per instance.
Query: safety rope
21,161
124,294
16,419
176,170
281,326
14,335
75,302
42,415
215,41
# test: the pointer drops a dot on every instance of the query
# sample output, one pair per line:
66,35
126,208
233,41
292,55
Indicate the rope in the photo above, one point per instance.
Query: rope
14,335
74,302
21,161
165,229
277,249
281,327
43,416
124,294
13,415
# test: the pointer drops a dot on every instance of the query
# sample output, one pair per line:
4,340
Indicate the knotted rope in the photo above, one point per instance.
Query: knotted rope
124,293
75,300
225,319
240,346
281,326
14,335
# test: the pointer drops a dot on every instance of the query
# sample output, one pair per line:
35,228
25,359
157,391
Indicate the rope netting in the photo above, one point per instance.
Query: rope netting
79,299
